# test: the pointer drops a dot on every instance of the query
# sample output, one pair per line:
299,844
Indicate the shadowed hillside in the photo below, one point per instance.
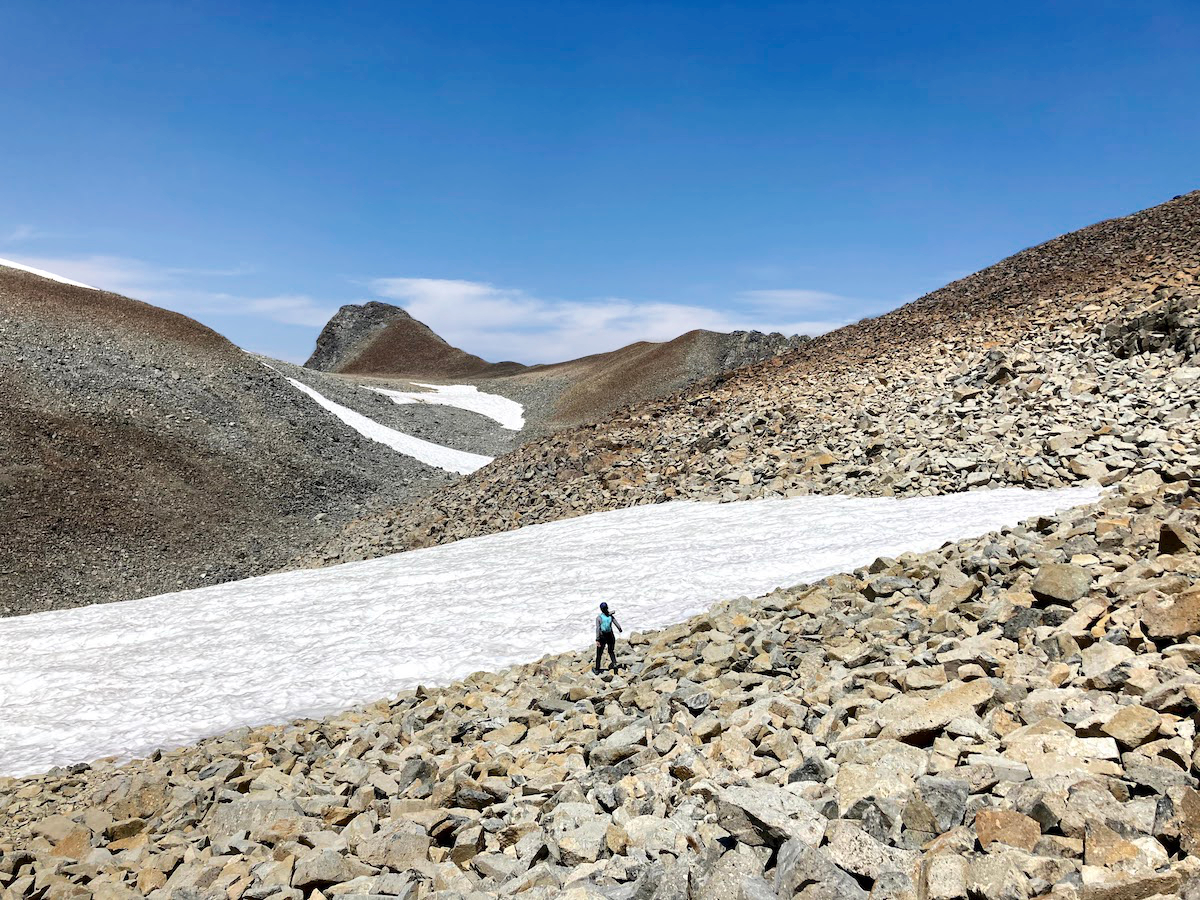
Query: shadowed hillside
141,452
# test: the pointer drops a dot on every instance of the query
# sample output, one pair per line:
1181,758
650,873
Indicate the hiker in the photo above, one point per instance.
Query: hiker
605,637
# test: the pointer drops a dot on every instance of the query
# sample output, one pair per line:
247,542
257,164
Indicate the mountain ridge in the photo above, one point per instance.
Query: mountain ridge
379,340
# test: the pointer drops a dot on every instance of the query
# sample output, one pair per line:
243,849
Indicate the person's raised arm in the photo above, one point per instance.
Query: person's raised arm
618,624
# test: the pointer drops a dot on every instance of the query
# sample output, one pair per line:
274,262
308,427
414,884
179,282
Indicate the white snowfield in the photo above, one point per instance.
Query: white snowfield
426,451
31,270
126,678
509,413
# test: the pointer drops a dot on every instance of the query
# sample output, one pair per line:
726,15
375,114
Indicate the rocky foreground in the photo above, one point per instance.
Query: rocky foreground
1008,717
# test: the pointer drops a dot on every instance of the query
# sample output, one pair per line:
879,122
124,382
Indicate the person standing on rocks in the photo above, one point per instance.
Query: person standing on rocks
605,623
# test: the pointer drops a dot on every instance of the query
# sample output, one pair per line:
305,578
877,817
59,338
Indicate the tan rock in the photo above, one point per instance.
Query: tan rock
1170,615
1189,821
1132,726
1061,583
54,828
616,838
945,876
508,734
75,845
1104,847
925,677
1102,656
150,880
955,700
1008,827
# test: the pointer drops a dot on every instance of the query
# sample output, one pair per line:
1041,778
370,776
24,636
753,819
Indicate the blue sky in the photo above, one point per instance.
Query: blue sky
538,180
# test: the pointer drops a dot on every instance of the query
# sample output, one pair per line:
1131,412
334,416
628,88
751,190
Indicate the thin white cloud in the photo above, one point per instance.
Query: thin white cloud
506,323
291,309
791,298
169,288
213,273
495,322
22,233
765,272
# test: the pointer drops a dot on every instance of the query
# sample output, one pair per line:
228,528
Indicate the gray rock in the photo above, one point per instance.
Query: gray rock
397,845
619,745
320,868
768,815
799,865
1061,583
937,804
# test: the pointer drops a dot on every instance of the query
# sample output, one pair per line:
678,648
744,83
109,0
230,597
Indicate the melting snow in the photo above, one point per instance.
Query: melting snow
125,678
509,413
426,451
45,274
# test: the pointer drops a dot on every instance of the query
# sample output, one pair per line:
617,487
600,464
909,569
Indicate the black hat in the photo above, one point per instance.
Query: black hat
603,607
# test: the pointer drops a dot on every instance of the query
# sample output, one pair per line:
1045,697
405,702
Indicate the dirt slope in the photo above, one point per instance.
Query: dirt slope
141,452
594,386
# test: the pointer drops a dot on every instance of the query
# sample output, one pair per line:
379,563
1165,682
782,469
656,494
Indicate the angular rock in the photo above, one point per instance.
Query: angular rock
1007,827
1173,616
397,845
1061,583
799,866
768,815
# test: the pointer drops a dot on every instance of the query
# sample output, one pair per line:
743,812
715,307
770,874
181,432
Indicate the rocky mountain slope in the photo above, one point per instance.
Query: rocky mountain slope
384,342
141,452
1012,716
1072,360
588,389
380,339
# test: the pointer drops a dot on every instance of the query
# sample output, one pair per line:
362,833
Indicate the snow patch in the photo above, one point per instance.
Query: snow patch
509,413
32,271
427,452
126,678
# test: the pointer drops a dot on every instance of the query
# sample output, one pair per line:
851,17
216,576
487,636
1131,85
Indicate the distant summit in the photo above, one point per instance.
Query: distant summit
380,339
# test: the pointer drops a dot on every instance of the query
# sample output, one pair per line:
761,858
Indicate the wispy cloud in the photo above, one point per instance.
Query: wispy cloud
174,288
291,309
21,233
493,321
792,298
508,323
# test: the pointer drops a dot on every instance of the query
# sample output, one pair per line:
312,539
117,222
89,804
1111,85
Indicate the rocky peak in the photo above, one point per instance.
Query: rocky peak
349,331
743,348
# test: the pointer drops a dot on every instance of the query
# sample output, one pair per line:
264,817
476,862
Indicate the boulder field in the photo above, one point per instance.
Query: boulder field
1011,716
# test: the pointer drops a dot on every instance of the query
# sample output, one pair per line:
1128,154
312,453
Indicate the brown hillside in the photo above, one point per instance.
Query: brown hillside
602,382
378,340
406,347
